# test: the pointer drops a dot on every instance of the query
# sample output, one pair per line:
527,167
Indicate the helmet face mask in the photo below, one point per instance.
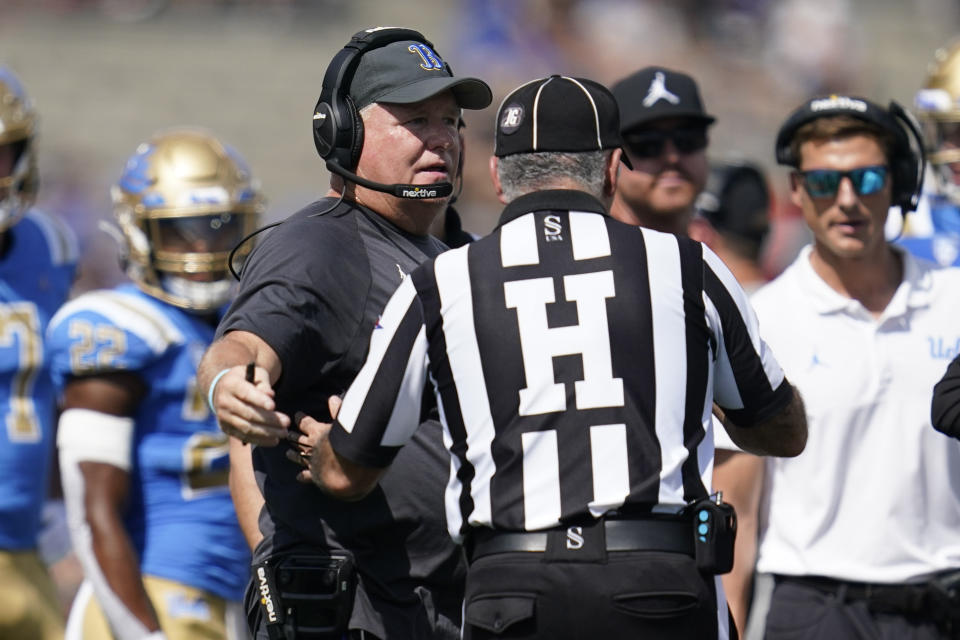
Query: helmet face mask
183,203
938,108
18,166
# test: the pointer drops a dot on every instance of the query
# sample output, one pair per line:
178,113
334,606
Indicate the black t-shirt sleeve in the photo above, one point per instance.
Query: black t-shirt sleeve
945,409
302,292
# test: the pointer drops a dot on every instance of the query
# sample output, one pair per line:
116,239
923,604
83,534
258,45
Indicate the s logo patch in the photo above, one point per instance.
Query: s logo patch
574,538
552,229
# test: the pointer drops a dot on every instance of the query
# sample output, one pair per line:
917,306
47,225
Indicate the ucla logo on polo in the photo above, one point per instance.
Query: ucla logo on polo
431,61
943,348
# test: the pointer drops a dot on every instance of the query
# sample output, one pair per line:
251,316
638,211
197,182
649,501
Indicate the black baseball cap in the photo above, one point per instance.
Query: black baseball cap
654,93
557,113
410,71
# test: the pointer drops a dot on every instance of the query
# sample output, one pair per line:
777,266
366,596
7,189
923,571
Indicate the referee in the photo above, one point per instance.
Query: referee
576,360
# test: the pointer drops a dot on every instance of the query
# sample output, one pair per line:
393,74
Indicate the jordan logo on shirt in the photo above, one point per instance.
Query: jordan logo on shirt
658,91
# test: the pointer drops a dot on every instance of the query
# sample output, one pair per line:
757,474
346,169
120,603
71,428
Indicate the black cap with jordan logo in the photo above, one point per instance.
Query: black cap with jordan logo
557,113
654,93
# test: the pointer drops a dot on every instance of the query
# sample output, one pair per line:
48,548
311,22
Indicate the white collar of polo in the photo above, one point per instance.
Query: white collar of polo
914,291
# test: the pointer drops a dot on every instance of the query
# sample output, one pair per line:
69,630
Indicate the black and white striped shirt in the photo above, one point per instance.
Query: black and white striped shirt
575,360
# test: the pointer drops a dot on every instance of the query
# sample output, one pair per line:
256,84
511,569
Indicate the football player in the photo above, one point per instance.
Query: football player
37,264
933,232
144,464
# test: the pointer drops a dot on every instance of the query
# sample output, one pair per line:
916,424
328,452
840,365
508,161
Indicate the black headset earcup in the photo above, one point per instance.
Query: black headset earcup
337,125
356,136
324,129
782,150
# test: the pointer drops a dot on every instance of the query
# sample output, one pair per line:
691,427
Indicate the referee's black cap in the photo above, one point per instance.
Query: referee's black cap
558,113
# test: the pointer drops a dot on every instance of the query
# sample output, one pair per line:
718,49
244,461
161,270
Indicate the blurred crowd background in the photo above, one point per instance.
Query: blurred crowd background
106,74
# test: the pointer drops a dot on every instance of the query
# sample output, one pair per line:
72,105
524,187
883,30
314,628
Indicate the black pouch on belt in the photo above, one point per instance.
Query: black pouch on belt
307,596
714,532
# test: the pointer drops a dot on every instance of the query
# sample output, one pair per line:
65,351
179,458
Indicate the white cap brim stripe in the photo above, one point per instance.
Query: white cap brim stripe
536,107
593,105
496,123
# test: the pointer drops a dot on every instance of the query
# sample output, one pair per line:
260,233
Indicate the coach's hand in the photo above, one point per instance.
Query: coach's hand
246,409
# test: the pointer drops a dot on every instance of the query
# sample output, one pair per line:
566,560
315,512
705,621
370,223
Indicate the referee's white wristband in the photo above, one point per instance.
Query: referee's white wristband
213,385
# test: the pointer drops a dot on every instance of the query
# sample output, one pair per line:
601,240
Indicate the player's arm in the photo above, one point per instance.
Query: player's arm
244,409
247,499
95,447
945,408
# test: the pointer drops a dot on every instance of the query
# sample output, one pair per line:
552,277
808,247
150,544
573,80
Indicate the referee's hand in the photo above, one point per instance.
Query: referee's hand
306,436
246,410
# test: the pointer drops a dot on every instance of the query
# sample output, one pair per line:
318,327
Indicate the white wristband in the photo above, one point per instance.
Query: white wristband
213,385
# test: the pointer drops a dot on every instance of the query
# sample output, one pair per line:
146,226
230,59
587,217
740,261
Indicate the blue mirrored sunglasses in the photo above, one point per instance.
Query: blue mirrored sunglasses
824,183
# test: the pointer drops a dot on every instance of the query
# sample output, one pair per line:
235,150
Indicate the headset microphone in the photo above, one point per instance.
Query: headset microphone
409,191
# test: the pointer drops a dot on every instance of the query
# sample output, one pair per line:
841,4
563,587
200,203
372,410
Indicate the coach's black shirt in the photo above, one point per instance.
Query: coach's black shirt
313,290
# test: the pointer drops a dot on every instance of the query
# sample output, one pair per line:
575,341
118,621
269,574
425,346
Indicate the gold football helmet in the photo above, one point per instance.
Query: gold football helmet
938,107
18,165
183,203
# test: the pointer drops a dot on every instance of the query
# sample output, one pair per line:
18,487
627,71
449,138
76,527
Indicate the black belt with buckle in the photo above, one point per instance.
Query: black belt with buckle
672,535
888,598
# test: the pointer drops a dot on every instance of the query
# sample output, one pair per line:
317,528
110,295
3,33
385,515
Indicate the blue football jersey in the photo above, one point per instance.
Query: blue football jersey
941,244
35,278
180,516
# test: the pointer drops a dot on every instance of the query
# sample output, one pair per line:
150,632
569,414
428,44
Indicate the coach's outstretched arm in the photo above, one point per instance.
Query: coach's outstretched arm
245,410
783,435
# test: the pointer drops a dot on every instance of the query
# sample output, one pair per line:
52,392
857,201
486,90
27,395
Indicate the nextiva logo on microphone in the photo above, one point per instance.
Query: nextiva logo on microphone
419,192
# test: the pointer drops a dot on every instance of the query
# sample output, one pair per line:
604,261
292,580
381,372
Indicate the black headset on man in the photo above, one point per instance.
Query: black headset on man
907,161
337,125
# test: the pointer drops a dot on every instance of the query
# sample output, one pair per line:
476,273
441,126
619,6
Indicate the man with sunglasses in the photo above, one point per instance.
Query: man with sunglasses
859,530
664,129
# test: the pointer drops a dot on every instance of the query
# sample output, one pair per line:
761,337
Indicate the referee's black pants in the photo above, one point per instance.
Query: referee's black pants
630,595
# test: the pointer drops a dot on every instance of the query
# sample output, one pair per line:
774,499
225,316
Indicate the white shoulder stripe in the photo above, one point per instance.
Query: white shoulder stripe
518,242
136,315
60,238
588,235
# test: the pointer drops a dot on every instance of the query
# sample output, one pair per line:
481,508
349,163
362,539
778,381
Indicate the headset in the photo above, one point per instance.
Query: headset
908,161
337,125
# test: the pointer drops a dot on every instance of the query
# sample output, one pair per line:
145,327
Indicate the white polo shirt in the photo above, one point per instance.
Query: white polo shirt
875,496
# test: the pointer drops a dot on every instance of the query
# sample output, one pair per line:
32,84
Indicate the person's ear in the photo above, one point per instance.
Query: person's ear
612,172
796,189
495,177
